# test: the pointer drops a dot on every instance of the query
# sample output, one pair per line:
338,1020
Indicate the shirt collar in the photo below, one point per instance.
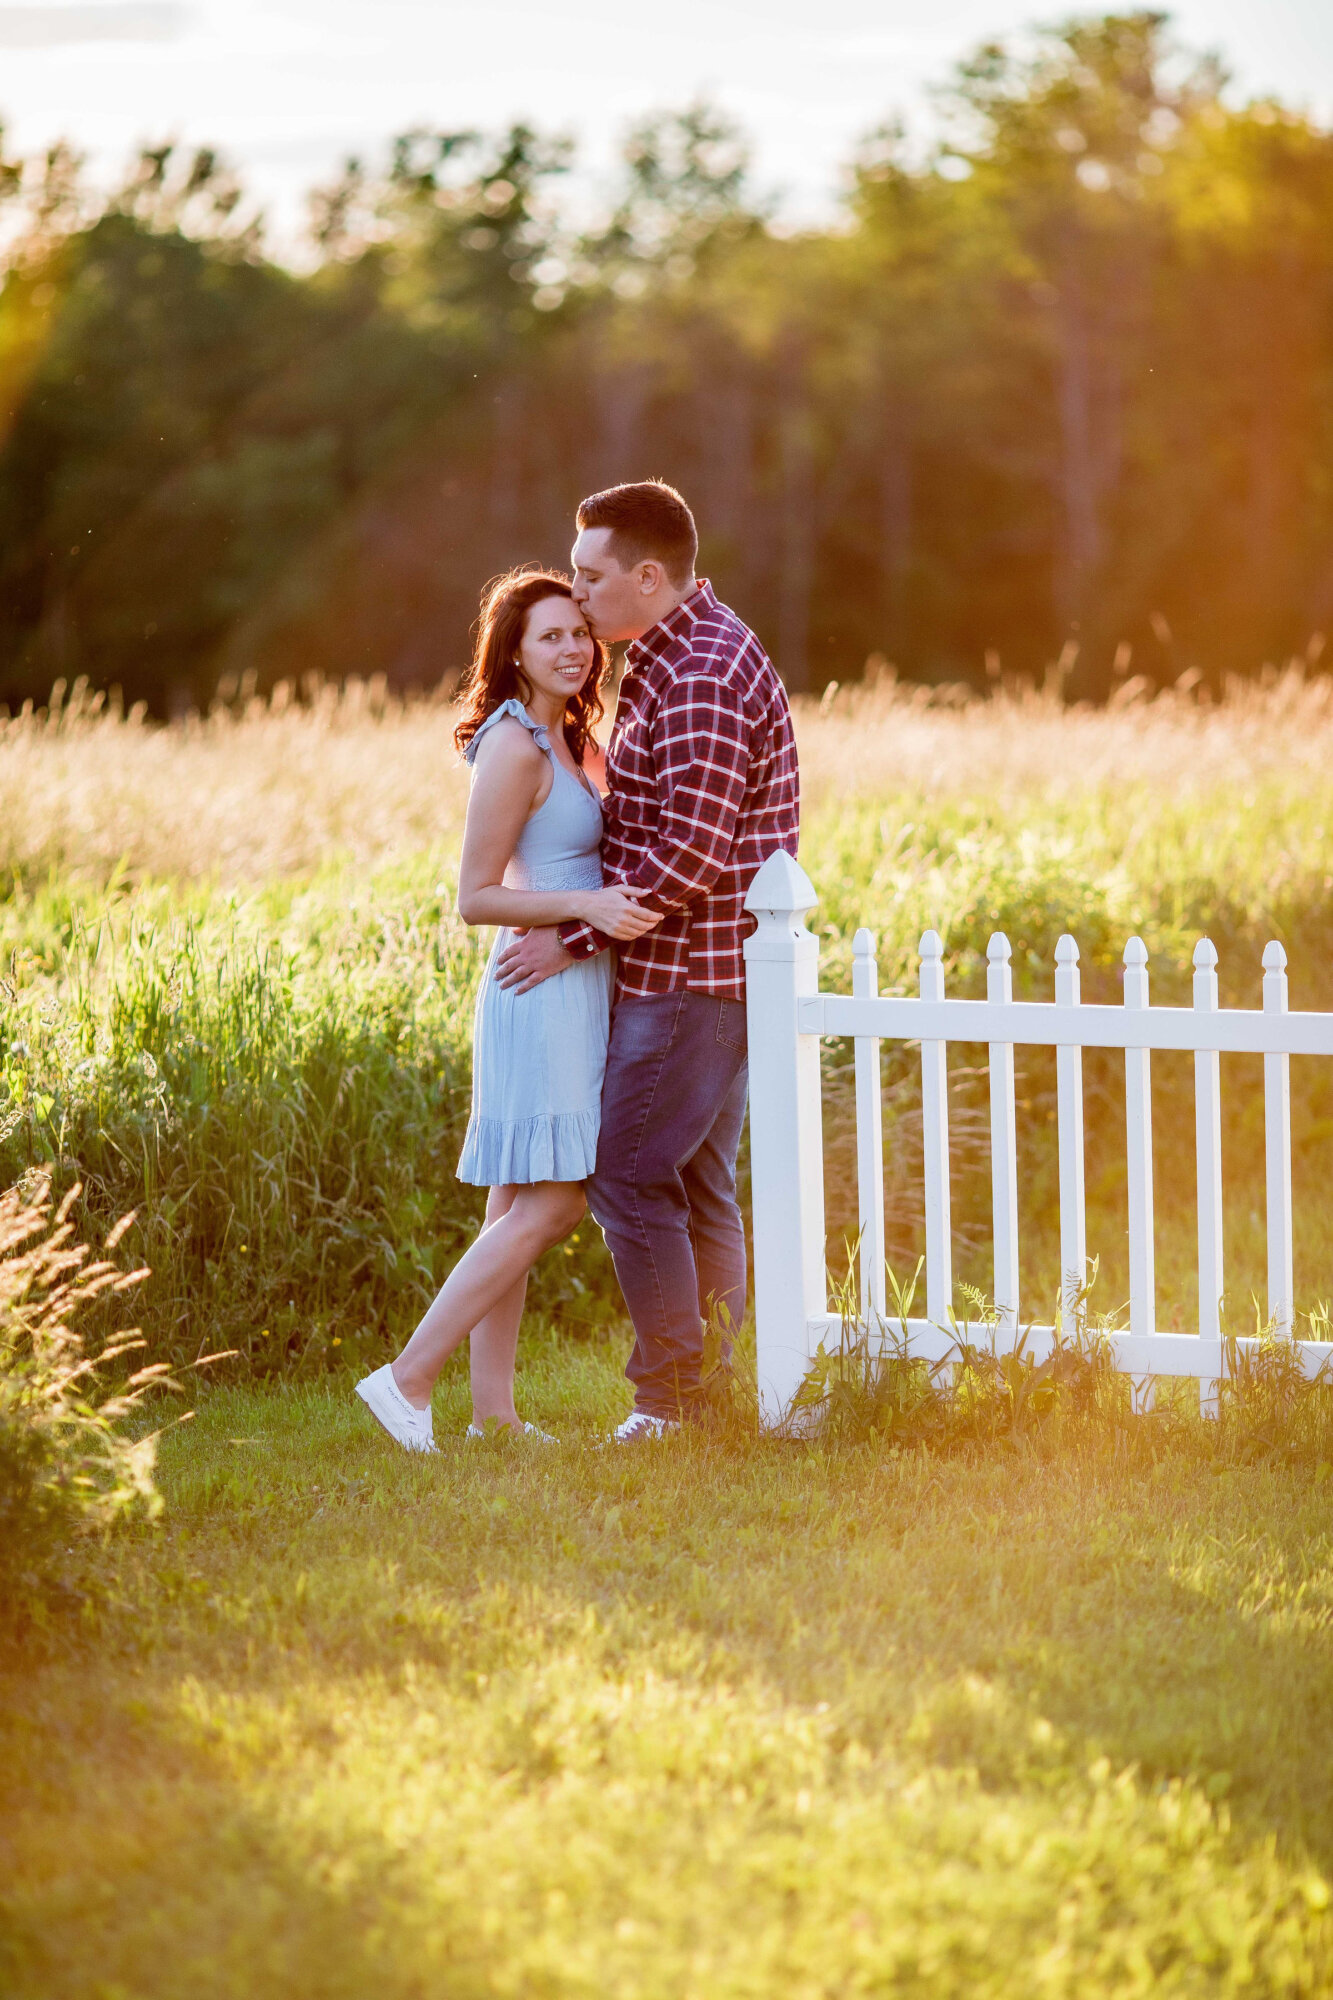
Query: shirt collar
679,621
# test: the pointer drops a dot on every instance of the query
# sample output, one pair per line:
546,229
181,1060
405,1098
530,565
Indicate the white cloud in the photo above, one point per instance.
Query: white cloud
62,26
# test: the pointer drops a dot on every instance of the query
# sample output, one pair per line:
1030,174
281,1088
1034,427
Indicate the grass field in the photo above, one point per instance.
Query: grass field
730,1718
703,1721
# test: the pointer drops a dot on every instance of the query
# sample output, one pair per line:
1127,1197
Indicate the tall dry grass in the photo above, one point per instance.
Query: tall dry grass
249,793
263,789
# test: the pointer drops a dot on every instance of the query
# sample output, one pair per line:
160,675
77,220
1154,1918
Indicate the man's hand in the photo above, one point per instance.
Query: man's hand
533,956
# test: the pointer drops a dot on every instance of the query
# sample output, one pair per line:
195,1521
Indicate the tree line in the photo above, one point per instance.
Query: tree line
1056,396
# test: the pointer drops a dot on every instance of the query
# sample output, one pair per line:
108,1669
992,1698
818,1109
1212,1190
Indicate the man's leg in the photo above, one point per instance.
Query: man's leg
672,1069
716,1228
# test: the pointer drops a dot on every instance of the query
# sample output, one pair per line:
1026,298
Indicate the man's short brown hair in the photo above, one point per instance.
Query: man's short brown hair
647,519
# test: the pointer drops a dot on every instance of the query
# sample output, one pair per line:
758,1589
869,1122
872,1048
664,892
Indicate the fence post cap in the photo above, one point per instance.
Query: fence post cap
1136,952
931,945
1066,950
999,950
1275,958
863,944
781,886
1205,955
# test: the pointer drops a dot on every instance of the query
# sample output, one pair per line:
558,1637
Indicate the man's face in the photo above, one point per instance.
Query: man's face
613,600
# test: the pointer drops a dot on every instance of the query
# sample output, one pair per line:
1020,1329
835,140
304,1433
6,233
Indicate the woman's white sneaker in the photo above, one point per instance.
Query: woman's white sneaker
406,1425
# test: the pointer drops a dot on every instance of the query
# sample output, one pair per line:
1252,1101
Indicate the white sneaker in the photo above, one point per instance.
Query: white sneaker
406,1425
641,1425
529,1430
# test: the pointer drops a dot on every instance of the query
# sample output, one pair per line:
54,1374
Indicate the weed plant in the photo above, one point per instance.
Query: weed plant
872,1390
68,1465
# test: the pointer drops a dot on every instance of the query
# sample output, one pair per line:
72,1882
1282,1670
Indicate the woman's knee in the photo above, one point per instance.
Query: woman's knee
549,1213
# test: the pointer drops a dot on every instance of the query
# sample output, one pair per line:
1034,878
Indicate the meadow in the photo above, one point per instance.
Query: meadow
736,1717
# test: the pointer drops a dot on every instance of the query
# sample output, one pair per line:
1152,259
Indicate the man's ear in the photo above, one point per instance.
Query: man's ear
651,576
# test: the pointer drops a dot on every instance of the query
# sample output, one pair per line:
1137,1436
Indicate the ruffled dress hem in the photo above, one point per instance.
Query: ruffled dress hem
553,1146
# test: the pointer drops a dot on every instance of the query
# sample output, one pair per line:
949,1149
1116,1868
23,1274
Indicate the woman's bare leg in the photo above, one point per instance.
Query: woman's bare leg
491,1354
502,1255
494,1340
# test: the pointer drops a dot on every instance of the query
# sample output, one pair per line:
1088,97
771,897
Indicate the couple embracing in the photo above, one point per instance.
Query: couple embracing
616,1086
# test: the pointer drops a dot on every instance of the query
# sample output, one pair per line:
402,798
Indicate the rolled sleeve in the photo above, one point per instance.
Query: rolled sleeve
581,940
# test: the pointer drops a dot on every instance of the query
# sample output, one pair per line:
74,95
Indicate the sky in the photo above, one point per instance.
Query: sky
288,88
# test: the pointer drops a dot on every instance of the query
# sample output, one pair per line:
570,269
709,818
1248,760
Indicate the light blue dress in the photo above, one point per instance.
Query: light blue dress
538,1057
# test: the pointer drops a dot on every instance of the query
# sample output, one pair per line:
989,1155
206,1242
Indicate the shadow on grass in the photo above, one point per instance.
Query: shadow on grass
167,1880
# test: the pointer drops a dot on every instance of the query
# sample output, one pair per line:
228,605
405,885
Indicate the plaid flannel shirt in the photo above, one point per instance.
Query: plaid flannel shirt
703,788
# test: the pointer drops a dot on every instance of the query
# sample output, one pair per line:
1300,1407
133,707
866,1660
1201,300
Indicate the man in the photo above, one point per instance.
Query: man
703,788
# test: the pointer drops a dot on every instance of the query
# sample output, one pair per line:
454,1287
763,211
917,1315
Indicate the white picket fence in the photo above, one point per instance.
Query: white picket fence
788,1014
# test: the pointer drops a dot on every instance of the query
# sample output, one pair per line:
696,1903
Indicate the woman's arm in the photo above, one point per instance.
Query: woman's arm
507,785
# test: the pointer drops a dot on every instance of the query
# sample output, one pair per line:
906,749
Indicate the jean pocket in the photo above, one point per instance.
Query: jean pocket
646,1025
731,1025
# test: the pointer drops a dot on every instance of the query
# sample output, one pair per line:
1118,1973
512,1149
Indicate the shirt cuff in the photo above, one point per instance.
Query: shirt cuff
581,940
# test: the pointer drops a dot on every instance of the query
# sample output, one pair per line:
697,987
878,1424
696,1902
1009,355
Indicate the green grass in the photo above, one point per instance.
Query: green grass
705,1720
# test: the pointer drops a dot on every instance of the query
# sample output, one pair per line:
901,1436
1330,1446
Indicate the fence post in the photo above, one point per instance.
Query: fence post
1277,1151
1069,1123
869,1137
1003,1143
786,1138
935,1145
1208,1157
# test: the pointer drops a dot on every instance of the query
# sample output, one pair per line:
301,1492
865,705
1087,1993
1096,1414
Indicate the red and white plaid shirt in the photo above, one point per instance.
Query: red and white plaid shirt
703,788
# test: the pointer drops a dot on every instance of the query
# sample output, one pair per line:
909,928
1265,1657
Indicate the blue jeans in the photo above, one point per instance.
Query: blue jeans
664,1191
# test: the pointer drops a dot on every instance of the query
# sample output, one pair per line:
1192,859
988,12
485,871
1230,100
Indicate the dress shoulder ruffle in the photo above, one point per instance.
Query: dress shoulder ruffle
513,707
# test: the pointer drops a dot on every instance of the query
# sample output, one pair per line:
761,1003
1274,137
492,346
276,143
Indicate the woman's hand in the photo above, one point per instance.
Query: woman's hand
618,913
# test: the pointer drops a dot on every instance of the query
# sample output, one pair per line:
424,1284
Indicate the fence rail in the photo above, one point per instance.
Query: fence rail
787,1017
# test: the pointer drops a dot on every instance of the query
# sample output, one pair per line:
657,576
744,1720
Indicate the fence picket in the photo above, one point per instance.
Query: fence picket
1138,1143
1277,1152
869,1135
935,1144
1208,1160
1069,1123
1003,1141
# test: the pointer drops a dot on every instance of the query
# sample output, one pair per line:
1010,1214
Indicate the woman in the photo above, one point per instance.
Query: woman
531,855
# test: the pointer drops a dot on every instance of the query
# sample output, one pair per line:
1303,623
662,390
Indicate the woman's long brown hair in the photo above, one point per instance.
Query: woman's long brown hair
494,675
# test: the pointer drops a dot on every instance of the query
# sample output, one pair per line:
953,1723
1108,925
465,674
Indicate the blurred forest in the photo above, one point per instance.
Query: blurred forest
1056,398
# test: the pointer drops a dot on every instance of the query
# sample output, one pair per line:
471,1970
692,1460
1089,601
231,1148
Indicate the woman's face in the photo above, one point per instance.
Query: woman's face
556,652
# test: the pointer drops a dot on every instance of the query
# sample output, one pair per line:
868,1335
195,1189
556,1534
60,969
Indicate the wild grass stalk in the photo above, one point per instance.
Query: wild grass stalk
67,1464
872,1389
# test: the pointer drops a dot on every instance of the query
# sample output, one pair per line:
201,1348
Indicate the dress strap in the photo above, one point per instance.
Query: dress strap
514,707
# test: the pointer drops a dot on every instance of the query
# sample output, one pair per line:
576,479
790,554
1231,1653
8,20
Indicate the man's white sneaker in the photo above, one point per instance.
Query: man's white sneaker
642,1425
407,1426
